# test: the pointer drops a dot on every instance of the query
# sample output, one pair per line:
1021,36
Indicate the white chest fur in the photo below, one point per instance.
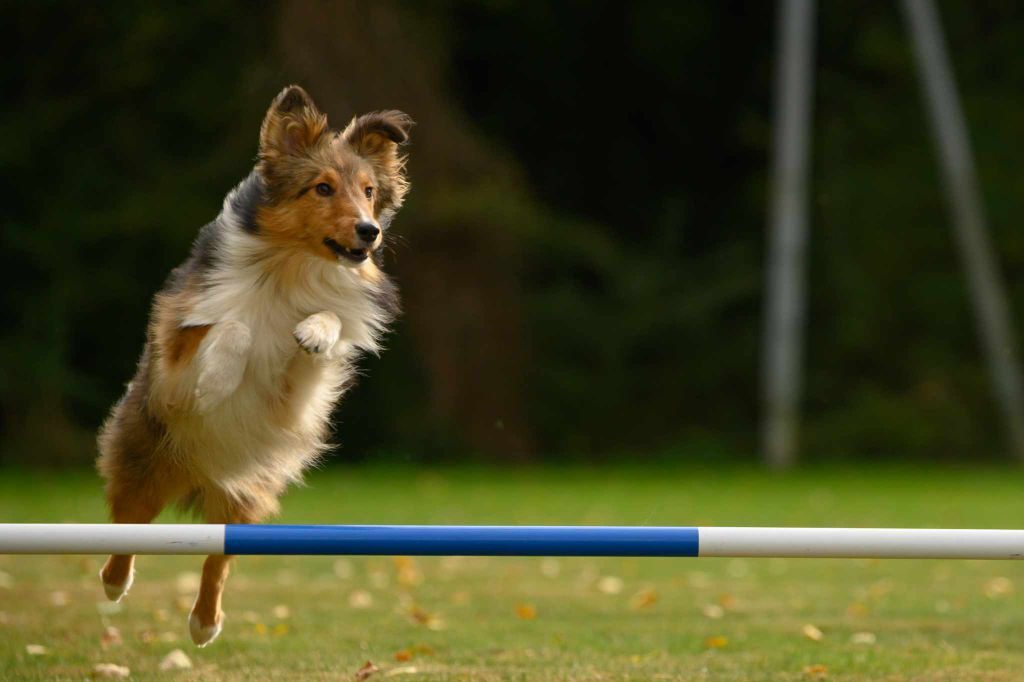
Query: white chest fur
271,424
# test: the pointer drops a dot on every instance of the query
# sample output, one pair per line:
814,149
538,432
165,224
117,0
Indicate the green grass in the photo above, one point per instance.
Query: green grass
294,618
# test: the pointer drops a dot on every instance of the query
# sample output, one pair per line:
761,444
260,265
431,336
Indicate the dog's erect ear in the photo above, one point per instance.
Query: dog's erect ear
292,125
378,133
376,137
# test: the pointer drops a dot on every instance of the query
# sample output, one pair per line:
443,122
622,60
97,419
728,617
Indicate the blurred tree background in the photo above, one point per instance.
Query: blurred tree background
581,255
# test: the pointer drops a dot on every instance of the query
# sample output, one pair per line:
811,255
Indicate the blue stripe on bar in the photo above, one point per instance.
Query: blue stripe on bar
463,540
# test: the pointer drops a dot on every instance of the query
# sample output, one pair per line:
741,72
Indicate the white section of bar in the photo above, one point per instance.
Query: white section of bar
879,543
104,538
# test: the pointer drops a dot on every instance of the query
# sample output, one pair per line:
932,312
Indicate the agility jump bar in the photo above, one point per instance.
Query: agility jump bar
621,541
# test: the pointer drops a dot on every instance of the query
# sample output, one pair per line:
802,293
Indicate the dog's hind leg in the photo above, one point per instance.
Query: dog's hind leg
127,505
207,617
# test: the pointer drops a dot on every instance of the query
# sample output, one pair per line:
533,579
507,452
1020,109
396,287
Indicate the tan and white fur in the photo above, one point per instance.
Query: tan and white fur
253,339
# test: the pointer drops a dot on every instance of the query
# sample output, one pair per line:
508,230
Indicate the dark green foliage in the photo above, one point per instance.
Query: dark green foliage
641,134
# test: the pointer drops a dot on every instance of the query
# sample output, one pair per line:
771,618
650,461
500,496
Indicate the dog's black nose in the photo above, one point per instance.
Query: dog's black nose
367,232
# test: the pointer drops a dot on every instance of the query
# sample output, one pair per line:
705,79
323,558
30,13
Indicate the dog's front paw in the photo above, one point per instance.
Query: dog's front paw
318,333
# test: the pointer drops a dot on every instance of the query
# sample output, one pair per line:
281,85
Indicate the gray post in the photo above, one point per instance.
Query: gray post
784,307
949,129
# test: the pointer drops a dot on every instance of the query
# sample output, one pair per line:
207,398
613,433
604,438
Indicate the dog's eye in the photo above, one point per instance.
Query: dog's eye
368,192
324,190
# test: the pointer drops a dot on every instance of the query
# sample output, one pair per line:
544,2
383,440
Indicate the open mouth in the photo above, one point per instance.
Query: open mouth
355,255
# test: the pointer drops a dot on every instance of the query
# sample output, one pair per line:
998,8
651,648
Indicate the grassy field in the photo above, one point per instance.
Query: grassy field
316,618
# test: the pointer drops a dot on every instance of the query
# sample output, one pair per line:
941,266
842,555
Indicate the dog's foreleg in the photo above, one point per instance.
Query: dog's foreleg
318,334
221,363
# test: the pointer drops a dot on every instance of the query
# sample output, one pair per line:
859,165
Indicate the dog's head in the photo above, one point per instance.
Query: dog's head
330,193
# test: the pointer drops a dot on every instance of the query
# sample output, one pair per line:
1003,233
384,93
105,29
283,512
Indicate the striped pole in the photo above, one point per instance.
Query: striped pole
896,543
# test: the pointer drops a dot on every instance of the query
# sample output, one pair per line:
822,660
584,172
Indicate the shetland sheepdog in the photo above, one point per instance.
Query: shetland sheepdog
254,337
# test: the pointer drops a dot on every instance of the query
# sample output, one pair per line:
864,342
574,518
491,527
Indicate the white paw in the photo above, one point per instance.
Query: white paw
318,333
222,360
116,592
203,634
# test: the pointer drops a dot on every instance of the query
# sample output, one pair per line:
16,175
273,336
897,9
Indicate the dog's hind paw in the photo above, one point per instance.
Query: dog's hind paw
116,592
204,634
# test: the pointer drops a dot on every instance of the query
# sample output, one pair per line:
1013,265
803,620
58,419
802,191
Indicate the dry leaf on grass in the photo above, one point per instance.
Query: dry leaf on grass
998,587
727,601
526,611
368,669
360,599
610,584
550,568
403,656
866,638
260,629
716,642
111,637
188,582
817,670
431,621
110,670
812,633
36,650
176,660
643,599
281,612
402,670
713,611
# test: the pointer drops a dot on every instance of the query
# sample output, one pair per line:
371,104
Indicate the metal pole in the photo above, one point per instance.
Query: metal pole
784,314
949,129
633,541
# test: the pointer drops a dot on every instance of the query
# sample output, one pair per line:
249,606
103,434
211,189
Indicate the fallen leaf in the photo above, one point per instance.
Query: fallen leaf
111,670
643,599
260,629
402,670
726,601
176,660
403,656
59,598
550,568
713,611
817,670
368,669
812,633
281,612
408,573
432,621
526,611
360,599
111,637
36,650
610,584
716,642
188,582
867,638
998,587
